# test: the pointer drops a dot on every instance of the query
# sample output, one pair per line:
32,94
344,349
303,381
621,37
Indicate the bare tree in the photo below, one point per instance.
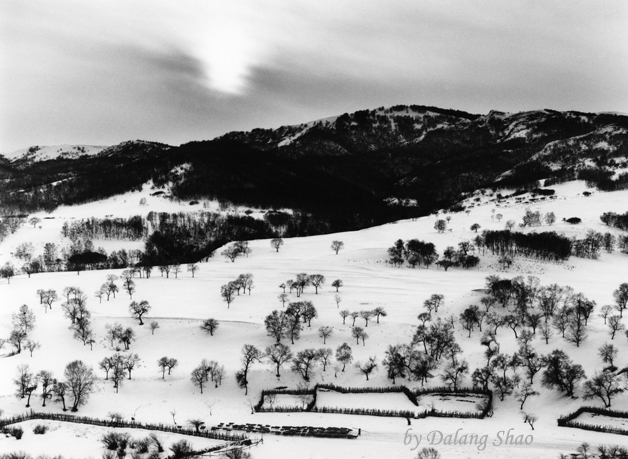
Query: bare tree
325,332
453,374
283,297
59,390
50,296
605,311
367,367
614,325
99,294
366,315
24,319
356,332
163,364
24,380
336,246
608,352
129,286
344,314
79,379
304,362
546,332
47,382
604,386
32,345
278,355
379,312
524,393
16,338
118,372
231,253
154,325
250,355
317,280
344,355
529,418
192,268
210,326
129,362
354,316
198,378
138,310
337,284
275,243
226,292
324,355
338,300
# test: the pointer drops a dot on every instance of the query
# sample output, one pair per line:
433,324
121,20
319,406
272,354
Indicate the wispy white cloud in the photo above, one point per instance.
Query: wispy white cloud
77,71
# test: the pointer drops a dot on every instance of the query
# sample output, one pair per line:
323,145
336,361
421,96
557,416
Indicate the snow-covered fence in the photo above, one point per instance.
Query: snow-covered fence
133,425
412,395
568,421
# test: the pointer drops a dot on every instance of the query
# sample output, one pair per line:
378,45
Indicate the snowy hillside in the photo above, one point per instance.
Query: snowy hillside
180,305
46,153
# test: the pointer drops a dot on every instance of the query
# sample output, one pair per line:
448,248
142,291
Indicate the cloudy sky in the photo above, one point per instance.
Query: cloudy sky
100,72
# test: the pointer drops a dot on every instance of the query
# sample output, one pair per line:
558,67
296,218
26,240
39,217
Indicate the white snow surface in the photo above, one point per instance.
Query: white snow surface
44,153
181,304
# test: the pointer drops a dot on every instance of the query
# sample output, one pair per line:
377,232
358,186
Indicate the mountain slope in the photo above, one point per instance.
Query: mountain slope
344,170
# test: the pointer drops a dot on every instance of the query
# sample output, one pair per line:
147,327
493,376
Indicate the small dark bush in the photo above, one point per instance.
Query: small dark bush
115,440
157,442
573,220
16,455
142,445
181,449
40,429
193,203
16,432
544,192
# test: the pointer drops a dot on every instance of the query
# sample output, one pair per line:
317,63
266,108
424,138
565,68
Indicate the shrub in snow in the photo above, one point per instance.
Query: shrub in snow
40,429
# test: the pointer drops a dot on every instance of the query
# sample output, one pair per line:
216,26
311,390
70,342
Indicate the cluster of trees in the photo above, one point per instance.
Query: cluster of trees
557,308
592,244
235,250
10,224
615,220
208,371
367,315
532,219
7,272
78,383
228,291
23,323
304,280
75,309
117,333
289,323
603,179
130,229
303,362
120,366
546,245
413,251
568,311
461,257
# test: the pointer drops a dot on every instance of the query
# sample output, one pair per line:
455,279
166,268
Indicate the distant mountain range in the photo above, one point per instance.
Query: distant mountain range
348,171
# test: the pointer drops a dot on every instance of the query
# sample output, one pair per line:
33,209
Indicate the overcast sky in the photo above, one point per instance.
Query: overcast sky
101,72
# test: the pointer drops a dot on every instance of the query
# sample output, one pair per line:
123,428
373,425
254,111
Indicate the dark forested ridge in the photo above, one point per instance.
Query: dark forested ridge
340,173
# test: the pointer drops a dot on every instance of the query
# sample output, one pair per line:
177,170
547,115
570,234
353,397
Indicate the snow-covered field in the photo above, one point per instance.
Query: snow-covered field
180,305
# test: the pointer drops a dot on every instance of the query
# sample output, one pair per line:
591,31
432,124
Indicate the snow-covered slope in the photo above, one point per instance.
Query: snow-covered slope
45,153
180,305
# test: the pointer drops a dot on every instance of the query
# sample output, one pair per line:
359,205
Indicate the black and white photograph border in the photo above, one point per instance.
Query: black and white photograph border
264,229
